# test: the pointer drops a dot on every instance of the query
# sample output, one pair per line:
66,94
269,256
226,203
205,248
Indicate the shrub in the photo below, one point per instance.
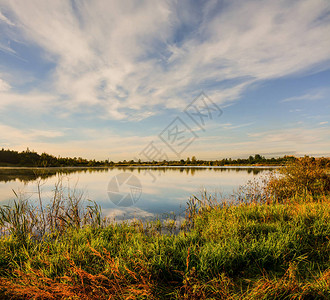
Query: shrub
305,177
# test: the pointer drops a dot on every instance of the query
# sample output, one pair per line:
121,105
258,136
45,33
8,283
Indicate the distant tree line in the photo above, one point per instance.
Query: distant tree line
33,159
252,160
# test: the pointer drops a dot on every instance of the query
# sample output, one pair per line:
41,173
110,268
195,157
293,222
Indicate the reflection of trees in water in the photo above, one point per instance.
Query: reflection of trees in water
193,170
254,171
30,174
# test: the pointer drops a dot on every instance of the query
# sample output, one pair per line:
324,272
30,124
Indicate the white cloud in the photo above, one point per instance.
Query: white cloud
88,143
25,136
231,126
4,19
4,86
316,95
300,140
123,54
33,101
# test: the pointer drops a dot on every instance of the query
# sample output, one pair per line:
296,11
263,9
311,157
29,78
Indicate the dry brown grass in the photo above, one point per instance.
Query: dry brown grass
291,286
129,283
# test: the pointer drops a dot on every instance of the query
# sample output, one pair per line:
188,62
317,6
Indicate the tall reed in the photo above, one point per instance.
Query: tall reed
68,208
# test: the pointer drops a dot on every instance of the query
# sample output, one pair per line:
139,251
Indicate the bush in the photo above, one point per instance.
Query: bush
305,177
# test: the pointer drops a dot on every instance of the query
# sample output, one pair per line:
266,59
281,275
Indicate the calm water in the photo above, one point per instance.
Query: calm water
158,191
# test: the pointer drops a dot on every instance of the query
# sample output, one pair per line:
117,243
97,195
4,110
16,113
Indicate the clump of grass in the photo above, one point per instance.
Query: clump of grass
196,206
257,191
24,219
17,219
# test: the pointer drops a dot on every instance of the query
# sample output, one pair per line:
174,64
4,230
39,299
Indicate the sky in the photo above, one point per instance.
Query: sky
165,79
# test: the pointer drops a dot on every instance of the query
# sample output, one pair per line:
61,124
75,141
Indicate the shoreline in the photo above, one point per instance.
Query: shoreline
144,166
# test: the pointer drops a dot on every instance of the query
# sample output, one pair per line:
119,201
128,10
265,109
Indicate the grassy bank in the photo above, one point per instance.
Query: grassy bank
250,251
275,249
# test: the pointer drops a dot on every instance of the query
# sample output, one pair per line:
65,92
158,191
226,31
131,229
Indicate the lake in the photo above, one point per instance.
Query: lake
131,192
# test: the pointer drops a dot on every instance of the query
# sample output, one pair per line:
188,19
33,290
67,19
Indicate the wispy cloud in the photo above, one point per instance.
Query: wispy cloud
316,95
4,86
298,135
120,54
102,143
299,140
4,19
21,136
231,126
32,101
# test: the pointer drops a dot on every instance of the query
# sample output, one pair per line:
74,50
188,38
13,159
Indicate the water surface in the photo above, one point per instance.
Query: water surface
163,190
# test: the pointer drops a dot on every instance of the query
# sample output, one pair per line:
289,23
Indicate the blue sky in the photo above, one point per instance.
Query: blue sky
102,79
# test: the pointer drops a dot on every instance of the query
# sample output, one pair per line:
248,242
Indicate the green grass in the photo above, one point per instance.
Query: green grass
276,251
